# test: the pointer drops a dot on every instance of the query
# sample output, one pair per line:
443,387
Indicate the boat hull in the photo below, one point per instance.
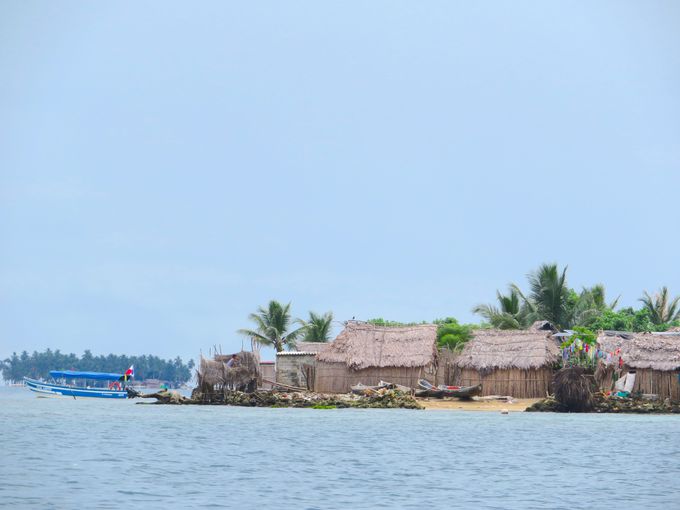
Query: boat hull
60,390
463,392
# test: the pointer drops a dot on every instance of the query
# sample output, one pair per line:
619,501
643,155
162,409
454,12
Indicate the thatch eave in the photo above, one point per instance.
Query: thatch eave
643,350
361,345
490,349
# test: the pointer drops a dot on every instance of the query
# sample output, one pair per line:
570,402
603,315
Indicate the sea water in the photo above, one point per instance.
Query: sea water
91,453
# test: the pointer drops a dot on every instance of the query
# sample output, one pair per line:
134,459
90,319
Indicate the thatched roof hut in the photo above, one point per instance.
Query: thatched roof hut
655,351
509,362
365,353
310,347
655,358
214,375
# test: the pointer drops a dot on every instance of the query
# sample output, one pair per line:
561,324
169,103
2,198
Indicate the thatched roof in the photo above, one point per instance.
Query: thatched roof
215,371
361,345
310,347
510,348
644,350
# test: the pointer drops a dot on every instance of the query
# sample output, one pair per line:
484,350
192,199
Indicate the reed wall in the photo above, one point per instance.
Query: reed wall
516,382
665,384
446,368
338,378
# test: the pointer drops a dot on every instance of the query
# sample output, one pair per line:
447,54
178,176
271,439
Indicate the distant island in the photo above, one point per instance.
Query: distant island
38,365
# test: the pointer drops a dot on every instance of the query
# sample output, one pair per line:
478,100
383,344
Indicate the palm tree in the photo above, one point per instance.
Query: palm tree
660,307
318,327
508,315
272,326
588,305
547,298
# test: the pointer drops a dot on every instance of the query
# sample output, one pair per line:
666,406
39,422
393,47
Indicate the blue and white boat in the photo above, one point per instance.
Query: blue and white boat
60,388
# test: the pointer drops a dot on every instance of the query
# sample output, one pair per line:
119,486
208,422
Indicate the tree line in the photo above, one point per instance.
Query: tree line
548,297
275,327
39,364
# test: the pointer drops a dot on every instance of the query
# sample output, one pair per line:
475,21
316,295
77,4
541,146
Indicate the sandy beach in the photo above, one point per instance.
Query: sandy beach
517,405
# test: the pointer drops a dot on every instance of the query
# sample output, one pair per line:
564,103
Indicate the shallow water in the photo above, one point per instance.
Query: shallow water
61,453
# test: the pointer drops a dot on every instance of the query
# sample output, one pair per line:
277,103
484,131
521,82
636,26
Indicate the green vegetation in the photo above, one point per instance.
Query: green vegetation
39,364
452,335
660,307
318,328
582,335
510,314
550,298
272,326
628,319
581,338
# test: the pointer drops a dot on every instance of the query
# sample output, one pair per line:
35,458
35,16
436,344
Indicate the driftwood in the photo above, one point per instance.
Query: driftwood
284,386
504,398
162,397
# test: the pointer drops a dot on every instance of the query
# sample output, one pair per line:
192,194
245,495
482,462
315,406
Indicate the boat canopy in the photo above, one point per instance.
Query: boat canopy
99,376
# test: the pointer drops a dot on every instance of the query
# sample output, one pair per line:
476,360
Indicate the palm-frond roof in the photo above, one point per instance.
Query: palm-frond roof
510,348
361,345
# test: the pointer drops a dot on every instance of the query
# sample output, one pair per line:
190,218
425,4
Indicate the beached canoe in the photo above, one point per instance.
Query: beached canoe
429,390
430,393
464,391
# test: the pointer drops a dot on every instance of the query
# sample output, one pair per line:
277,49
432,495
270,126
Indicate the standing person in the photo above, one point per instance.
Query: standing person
233,362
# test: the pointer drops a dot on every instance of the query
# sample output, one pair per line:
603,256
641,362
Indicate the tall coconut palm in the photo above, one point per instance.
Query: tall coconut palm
548,295
585,307
660,307
510,314
272,326
318,327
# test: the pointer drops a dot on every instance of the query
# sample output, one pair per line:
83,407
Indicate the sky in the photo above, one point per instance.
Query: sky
168,167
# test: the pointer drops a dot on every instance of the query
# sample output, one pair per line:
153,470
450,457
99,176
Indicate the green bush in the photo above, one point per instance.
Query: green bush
453,335
627,319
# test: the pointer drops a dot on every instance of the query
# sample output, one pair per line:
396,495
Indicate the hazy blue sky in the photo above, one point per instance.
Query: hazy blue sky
167,167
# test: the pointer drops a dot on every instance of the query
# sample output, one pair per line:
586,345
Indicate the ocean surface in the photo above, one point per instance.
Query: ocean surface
89,453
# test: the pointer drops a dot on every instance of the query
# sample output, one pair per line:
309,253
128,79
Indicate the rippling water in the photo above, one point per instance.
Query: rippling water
61,453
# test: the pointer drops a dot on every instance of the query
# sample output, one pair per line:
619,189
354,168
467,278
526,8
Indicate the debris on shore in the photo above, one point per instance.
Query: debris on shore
387,399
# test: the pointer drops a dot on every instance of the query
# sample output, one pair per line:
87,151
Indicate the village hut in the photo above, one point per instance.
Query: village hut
653,357
297,367
214,376
367,354
515,362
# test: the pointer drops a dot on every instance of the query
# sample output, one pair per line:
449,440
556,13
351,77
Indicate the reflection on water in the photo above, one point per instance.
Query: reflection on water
61,453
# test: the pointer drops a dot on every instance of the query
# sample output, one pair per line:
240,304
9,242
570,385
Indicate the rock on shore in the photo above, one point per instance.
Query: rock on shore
388,399
611,404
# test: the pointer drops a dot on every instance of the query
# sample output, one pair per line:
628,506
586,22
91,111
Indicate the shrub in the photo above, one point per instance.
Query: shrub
453,335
